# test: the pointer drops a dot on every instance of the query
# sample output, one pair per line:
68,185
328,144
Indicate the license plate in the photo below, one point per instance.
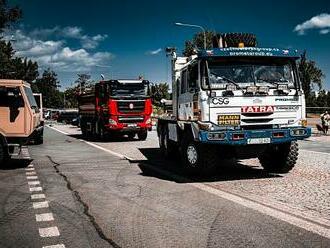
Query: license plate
258,141
131,125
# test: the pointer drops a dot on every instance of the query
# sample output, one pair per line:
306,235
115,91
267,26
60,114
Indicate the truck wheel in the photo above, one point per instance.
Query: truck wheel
142,135
280,158
197,158
166,145
4,156
40,138
102,135
131,136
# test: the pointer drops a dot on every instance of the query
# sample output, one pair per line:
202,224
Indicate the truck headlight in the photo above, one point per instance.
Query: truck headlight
282,87
263,89
230,87
112,122
298,132
251,89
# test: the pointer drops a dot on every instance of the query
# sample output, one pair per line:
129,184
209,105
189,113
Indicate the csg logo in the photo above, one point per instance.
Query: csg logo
220,101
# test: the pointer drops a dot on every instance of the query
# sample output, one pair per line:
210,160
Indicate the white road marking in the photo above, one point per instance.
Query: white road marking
31,177
303,150
44,217
29,169
49,232
38,196
107,150
35,189
30,165
43,204
96,146
54,246
33,182
29,173
58,130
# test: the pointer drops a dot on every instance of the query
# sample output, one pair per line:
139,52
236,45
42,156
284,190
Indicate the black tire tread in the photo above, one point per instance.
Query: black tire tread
282,160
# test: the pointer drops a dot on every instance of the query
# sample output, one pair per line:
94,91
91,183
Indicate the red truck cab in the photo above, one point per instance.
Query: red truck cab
116,107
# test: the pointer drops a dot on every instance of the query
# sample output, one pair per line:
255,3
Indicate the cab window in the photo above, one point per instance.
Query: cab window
11,97
193,76
184,82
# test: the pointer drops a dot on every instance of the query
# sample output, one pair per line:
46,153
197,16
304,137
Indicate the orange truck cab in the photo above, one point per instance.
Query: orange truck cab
19,117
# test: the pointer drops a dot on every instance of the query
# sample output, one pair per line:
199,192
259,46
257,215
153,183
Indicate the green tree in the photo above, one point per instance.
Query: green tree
198,42
83,81
8,15
310,76
158,92
49,85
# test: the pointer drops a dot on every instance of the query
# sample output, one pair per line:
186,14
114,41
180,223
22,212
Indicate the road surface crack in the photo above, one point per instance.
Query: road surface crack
76,194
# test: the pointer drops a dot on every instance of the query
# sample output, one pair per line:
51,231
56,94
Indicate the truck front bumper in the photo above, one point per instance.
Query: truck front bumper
246,137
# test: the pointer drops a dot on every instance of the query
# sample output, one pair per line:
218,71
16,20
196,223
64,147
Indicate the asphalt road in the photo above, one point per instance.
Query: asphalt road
124,194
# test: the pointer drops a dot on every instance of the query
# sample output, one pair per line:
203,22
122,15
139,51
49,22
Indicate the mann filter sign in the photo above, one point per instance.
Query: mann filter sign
229,120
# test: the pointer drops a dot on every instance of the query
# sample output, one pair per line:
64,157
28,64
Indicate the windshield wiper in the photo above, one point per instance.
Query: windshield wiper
273,82
226,79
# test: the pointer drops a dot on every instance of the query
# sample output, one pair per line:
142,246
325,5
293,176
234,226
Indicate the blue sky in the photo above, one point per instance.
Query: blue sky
124,39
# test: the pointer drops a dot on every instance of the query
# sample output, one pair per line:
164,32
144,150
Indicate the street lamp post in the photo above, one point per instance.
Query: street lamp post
193,26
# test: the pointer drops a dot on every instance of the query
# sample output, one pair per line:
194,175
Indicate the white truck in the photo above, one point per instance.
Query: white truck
235,102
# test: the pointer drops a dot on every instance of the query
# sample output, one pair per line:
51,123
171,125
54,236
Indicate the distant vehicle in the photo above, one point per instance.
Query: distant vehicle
235,101
116,107
66,116
76,122
19,117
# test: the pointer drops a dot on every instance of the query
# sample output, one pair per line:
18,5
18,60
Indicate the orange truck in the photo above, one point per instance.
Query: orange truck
20,117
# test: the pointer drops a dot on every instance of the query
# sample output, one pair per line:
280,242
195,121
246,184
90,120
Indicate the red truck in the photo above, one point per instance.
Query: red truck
115,107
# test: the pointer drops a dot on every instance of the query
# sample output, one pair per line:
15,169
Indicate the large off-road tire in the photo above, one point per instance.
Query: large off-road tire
196,157
142,135
280,158
131,136
166,145
233,39
101,133
4,156
39,139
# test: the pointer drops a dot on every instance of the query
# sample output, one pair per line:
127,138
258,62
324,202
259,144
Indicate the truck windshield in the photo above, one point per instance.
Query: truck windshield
251,73
130,89
31,98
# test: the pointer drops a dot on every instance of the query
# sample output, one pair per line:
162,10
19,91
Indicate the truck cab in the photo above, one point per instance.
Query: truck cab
19,116
241,102
116,107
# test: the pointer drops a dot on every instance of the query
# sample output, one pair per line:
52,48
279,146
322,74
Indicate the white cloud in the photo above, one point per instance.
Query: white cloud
69,32
91,42
324,31
56,53
154,52
321,21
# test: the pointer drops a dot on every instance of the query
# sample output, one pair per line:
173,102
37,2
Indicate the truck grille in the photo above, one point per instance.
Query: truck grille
133,106
130,119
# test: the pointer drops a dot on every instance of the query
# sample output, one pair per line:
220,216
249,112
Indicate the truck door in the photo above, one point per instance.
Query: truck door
12,112
188,88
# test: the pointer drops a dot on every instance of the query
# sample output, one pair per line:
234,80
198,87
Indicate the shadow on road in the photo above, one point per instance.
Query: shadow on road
117,139
14,164
157,166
